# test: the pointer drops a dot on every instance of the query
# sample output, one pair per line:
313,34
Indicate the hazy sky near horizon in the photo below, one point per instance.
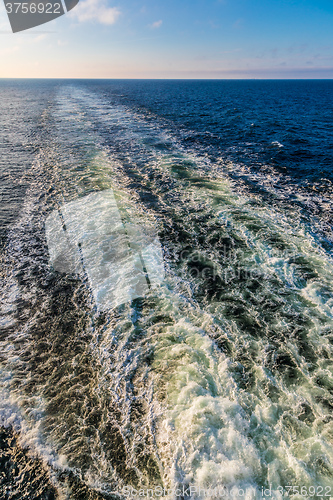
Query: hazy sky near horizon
175,39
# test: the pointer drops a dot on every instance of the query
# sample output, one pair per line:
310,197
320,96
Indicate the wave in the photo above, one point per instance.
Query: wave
221,377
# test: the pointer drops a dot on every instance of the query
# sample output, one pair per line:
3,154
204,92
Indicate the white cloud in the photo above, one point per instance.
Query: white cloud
156,24
96,10
39,38
9,50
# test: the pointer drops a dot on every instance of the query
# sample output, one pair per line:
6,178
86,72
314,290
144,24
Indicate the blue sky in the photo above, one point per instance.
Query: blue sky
176,39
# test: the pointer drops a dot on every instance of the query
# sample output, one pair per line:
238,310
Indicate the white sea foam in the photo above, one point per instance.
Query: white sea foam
210,428
214,432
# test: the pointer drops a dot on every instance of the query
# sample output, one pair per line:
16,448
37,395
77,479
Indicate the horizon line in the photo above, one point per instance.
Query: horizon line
162,78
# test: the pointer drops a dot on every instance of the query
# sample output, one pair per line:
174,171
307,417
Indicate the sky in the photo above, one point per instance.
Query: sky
175,39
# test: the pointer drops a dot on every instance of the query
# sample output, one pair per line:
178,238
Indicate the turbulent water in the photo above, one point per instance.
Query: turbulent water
219,382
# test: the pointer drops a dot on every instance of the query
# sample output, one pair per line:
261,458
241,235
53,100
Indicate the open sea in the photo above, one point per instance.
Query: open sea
218,382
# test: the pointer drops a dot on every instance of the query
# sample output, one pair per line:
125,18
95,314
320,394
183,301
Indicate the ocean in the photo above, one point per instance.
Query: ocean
213,378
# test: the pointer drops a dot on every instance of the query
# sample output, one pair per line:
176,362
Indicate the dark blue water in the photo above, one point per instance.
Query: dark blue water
223,375
274,135
281,125
243,120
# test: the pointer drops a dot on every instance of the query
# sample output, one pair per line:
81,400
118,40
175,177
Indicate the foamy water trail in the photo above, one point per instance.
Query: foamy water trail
220,378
